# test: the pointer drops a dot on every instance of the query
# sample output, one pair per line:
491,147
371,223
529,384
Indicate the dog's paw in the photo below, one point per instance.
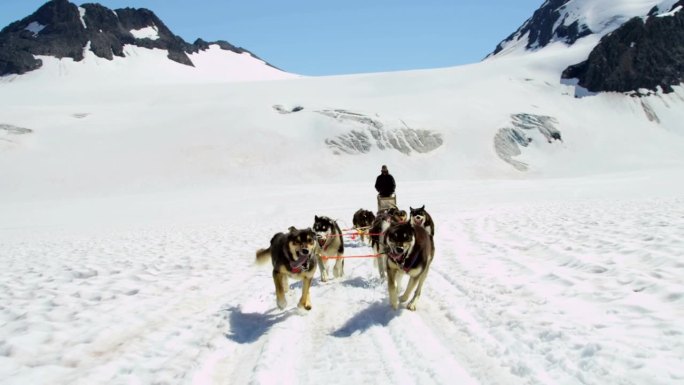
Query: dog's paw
304,303
281,304
411,306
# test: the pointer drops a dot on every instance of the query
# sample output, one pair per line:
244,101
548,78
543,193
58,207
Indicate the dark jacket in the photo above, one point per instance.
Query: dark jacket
385,185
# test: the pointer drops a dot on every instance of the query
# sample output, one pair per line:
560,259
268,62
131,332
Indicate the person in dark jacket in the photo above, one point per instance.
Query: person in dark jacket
384,183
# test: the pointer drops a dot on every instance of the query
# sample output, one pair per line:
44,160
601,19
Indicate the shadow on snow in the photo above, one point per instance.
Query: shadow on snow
363,283
358,282
355,244
377,314
248,327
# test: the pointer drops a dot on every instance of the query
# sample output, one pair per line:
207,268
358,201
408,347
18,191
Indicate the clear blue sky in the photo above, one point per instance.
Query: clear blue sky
322,37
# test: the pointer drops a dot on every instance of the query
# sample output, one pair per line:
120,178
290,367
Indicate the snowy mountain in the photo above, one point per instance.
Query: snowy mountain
640,42
62,30
567,21
643,54
179,124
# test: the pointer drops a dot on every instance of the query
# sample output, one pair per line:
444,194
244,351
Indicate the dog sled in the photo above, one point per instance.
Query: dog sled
387,202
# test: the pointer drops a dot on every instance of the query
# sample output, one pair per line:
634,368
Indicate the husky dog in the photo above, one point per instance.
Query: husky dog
410,250
362,221
420,217
400,216
396,214
292,255
382,222
330,244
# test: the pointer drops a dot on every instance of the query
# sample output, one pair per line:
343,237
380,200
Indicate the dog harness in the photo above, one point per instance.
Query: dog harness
325,244
402,261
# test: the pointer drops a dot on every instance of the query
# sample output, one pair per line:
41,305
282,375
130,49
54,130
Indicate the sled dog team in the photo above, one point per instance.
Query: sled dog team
404,243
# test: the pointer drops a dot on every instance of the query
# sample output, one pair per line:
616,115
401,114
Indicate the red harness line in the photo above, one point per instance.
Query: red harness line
354,228
351,256
352,234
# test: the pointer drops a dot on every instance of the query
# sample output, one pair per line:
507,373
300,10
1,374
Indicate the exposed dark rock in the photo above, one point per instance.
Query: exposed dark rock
284,110
201,45
371,132
546,125
508,141
14,61
648,110
108,36
14,130
639,55
63,33
354,142
540,28
10,136
353,116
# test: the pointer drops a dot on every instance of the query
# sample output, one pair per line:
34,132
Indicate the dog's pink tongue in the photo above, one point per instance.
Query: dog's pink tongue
321,242
298,263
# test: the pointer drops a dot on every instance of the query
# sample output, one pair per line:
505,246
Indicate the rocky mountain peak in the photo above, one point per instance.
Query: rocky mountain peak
551,22
56,14
641,42
64,30
644,53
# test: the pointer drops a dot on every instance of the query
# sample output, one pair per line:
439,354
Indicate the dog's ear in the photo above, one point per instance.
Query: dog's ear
411,208
315,218
292,229
423,208
310,232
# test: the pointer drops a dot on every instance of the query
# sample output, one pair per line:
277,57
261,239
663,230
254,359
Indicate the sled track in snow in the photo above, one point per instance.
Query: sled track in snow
528,294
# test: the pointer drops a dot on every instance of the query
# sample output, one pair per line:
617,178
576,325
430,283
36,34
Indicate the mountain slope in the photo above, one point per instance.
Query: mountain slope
641,54
62,30
567,21
122,137
630,44
145,123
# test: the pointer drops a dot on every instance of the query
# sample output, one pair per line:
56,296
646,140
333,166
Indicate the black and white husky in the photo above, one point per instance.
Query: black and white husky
410,250
330,244
420,217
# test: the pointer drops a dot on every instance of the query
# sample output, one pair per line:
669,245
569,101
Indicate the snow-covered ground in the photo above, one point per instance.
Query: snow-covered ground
132,203
564,281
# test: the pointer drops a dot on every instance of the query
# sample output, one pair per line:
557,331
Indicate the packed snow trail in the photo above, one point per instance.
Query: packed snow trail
528,288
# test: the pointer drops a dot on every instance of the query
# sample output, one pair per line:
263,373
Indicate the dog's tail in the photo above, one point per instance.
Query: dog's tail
263,256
